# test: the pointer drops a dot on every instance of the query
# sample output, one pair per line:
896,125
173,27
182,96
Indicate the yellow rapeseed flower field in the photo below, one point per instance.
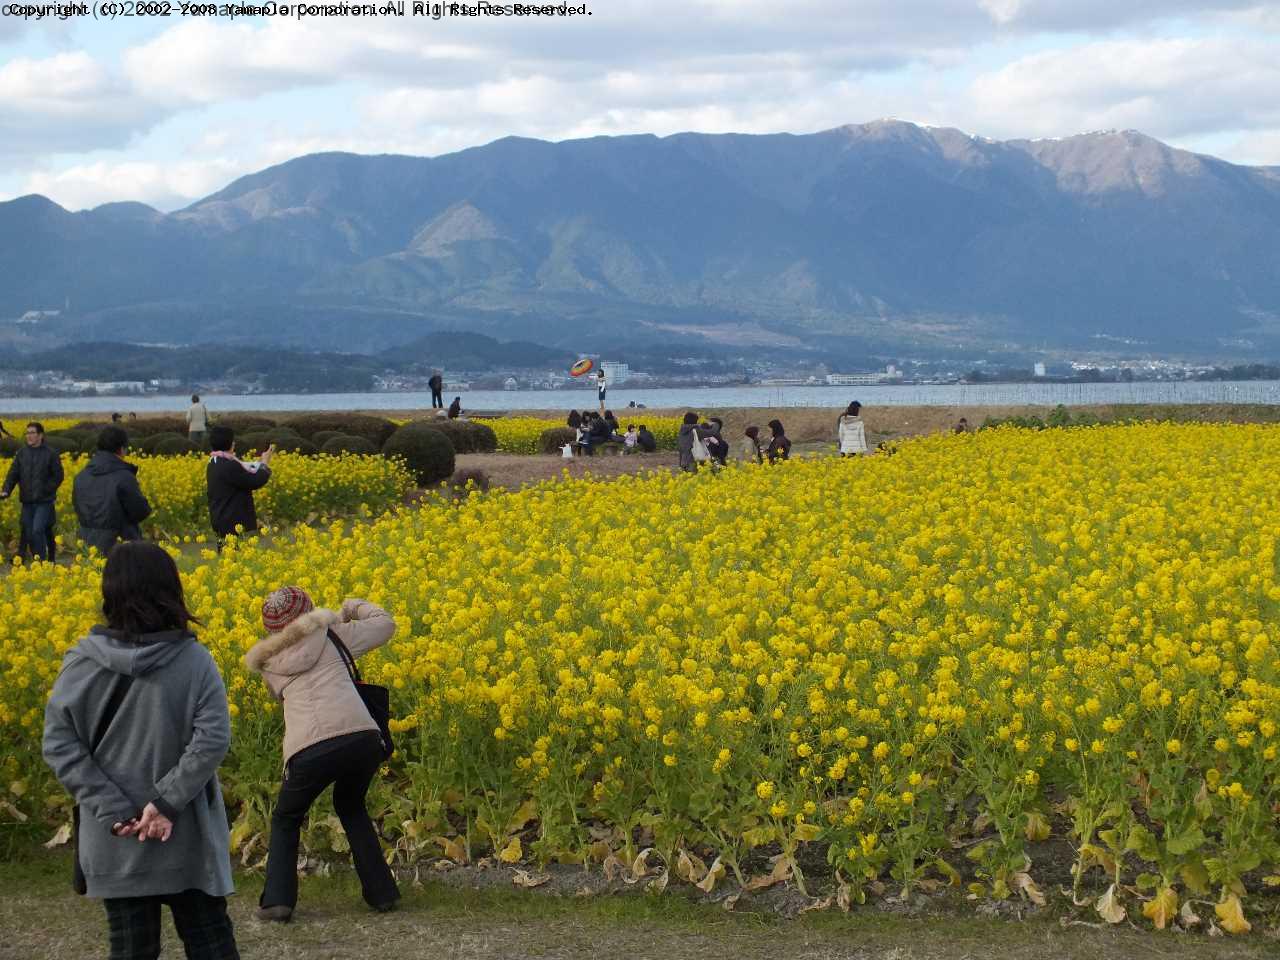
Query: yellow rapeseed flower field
919,662
301,488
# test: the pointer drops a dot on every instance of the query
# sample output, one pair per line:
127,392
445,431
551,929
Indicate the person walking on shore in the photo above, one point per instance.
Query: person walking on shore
436,383
36,471
135,729
329,737
197,421
852,431
108,502
231,483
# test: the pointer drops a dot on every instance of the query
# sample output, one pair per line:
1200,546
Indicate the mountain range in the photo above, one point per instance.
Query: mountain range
886,238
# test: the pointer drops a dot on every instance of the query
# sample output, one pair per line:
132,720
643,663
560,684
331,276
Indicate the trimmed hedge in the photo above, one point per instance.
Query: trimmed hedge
374,429
466,435
61,444
167,446
337,445
9,446
252,441
291,443
241,422
425,451
148,444
555,438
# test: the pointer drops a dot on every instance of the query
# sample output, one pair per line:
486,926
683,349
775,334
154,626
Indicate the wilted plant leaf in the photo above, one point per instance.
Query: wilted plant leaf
689,867
526,881
1162,908
1187,916
1027,887
1108,907
454,850
1231,915
63,835
1037,827
781,869
512,852
714,873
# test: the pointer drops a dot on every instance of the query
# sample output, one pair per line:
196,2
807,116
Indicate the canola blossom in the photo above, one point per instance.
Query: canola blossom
521,434
301,489
919,663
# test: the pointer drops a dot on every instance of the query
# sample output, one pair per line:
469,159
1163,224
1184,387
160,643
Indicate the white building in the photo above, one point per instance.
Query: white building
615,373
510,384
1039,370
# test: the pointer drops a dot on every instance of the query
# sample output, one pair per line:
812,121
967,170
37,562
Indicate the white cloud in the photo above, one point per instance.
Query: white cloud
67,102
1166,88
162,185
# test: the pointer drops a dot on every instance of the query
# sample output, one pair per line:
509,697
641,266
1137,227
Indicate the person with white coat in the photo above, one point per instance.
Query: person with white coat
852,431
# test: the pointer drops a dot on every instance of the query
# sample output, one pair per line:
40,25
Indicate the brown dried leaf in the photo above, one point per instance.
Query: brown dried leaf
63,835
1023,883
613,865
658,883
714,873
13,811
640,866
526,881
823,904
781,870
689,867
731,901
1108,907
1187,916
453,849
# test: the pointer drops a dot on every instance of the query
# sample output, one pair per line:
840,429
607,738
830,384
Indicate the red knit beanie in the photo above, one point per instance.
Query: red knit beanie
283,607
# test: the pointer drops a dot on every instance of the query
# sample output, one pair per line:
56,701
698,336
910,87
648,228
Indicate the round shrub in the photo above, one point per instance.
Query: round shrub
288,443
86,441
147,444
61,444
339,444
171,446
242,422
321,437
252,442
374,429
467,436
282,433
150,426
426,452
554,439
9,446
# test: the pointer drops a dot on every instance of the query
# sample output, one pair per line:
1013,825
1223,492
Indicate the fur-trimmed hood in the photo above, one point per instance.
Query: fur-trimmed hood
296,648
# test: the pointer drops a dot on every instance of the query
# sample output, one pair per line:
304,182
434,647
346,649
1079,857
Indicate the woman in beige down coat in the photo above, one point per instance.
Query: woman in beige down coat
329,737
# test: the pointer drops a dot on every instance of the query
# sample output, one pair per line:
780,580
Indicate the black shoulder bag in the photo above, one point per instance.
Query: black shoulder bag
78,882
377,699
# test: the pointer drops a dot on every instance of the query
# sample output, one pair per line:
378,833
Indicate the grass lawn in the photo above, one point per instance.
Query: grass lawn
41,918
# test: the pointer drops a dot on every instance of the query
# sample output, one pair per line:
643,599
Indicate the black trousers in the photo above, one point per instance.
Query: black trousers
437,399
201,921
349,763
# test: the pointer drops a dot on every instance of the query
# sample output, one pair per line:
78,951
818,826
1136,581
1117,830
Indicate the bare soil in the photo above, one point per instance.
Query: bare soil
469,914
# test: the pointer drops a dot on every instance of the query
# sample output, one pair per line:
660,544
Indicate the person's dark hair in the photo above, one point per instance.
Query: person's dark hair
112,439
631,426
221,438
691,417
716,420
644,428
195,398
753,432
141,590
853,408
776,427
608,415
37,427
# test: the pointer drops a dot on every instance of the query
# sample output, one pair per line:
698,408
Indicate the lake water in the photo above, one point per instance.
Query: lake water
1047,394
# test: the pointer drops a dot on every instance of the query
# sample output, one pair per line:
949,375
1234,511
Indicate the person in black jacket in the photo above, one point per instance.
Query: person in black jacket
455,408
646,440
37,472
231,485
109,503
436,383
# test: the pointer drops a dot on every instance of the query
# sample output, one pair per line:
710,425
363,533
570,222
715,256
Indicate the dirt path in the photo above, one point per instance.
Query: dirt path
40,918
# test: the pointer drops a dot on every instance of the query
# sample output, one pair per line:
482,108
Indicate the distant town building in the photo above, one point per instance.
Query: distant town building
1039,370
615,373
510,384
862,379
110,386
35,316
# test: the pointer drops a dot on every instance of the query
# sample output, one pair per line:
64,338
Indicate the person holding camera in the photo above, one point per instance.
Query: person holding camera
108,501
231,483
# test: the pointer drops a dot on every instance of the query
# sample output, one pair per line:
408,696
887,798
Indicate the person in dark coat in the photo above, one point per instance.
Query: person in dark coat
231,484
108,501
455,408
717,445
645,440
436,383
36,471
575,420
153,829
690,430
779,446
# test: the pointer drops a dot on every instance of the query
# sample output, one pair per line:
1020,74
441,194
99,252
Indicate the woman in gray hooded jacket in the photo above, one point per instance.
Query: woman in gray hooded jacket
135,729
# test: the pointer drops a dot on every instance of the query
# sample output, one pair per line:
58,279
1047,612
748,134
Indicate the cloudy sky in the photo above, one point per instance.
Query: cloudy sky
169,110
